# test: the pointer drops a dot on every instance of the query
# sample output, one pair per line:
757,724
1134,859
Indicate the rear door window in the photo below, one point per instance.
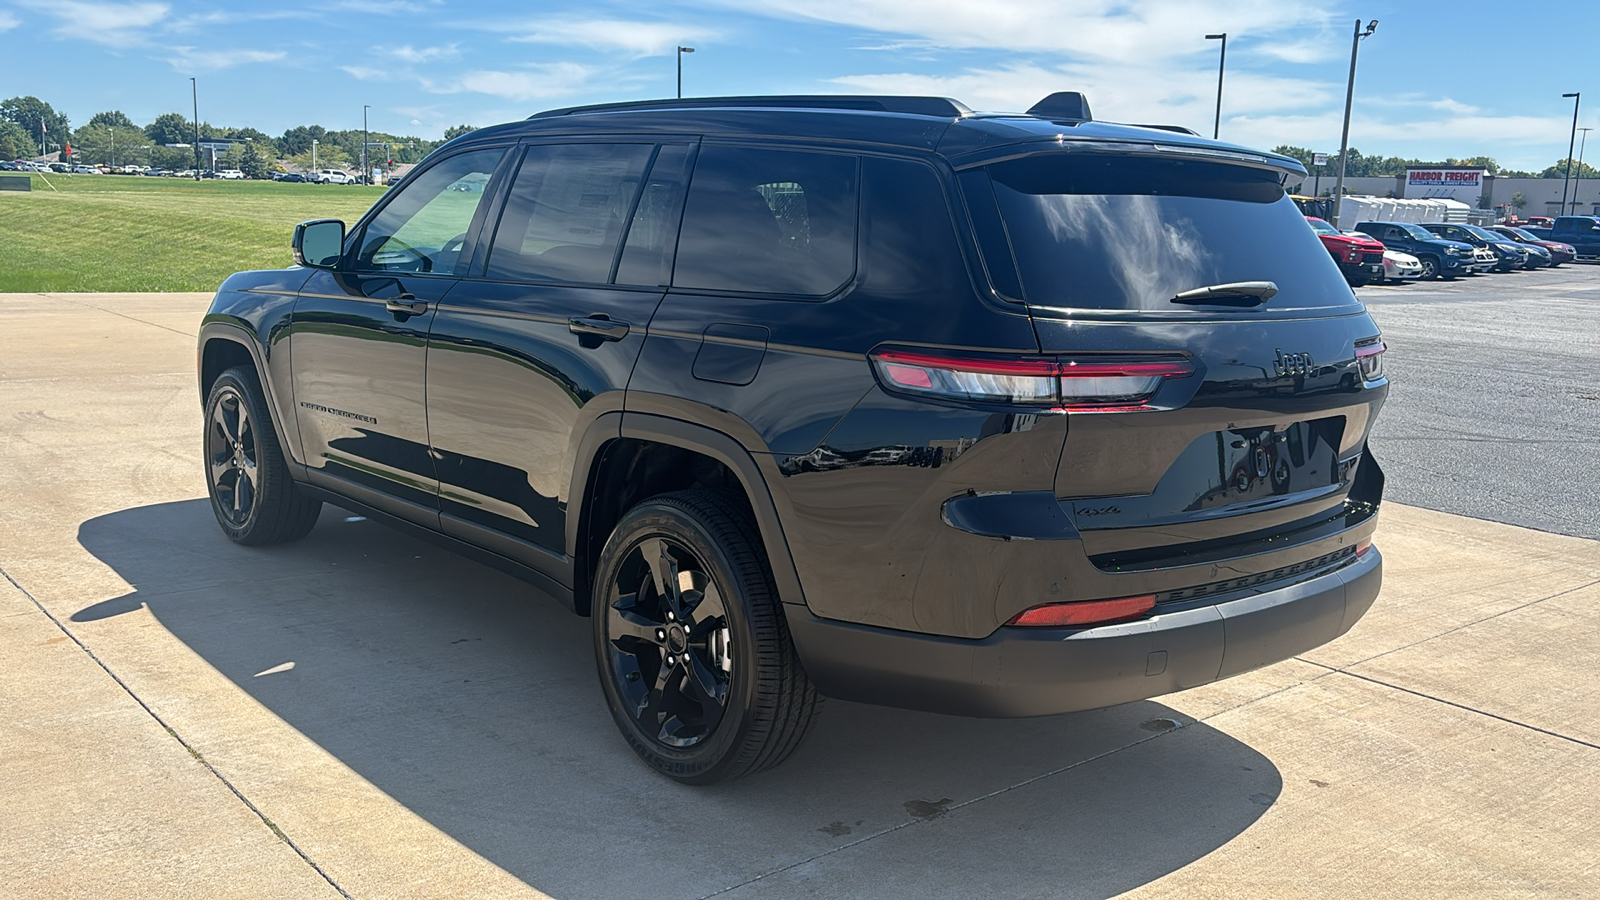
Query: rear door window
769,221
566,212
1095,231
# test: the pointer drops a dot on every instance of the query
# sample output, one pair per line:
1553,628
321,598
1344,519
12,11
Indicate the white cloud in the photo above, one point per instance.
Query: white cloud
531,83
365,73
189,59
117,25
636,39
8,21
410,54
1104,29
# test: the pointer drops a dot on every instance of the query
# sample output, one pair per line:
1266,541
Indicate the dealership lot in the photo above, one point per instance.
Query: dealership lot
364,715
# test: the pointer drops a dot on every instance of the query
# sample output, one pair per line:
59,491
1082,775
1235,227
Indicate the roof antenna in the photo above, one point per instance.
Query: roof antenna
1063,105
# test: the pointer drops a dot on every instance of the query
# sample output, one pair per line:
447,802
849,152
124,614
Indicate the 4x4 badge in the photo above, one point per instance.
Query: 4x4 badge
1293,364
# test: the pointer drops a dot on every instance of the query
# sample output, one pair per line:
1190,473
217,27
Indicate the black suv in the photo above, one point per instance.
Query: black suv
867,397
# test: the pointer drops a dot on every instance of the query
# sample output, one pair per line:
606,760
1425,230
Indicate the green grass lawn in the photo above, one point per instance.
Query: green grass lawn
128,233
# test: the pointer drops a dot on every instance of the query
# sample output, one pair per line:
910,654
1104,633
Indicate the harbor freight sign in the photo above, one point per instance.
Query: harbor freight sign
1453,178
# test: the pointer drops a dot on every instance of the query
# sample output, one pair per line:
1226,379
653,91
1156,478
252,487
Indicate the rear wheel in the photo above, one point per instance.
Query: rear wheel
692,648
252,495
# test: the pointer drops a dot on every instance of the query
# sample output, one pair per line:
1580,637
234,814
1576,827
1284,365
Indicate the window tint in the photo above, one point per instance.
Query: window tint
423,228
768,221
1115,232
564,216
647,255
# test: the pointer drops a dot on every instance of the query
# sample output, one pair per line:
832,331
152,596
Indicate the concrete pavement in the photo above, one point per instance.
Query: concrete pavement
360,714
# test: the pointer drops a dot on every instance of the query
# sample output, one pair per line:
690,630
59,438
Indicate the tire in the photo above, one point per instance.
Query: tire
734,700
1430,267
252,495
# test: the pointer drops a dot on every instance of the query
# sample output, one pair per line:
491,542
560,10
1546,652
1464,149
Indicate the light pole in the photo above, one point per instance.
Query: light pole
681,52
195,91
1221,63
364,139
113,135
314,143
148,156
1578,178
1349,99
1576,99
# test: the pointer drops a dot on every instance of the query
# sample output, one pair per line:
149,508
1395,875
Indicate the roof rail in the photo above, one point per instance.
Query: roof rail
939,107
1174,128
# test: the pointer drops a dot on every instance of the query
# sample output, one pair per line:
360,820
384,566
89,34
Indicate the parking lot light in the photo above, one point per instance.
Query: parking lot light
1221,63
1349,98
1576,99
681,52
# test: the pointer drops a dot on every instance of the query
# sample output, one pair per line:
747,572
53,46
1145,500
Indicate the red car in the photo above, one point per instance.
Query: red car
1359,258
1559,252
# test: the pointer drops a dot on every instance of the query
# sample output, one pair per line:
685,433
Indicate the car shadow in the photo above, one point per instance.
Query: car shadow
471,699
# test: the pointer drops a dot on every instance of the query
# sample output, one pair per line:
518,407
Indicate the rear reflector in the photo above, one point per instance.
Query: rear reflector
1363,546
1072,385
1086,612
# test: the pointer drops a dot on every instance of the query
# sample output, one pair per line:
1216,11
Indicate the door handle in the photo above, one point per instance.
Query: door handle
406,305
598,326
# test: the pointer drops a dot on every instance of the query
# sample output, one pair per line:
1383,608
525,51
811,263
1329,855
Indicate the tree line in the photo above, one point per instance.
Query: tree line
111,138
1360,166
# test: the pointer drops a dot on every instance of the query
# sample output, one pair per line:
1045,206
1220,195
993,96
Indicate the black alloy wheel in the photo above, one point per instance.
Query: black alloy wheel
670,644
693,651
231,456
252,494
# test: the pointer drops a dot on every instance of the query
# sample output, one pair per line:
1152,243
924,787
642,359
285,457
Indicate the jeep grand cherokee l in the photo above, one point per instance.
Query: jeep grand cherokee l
867,397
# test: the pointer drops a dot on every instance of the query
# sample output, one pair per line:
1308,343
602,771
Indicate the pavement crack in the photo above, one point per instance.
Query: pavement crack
947,810
1462,706
123,315
198,756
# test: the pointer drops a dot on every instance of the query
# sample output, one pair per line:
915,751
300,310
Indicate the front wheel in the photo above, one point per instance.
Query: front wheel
1430,268
254,498
693,651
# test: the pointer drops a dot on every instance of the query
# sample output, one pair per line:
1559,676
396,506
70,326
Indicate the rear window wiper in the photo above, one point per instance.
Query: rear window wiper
1238,293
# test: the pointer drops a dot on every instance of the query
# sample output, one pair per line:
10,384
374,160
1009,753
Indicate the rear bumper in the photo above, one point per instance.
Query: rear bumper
1035,672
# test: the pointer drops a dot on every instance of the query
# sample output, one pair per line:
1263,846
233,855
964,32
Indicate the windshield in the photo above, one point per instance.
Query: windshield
1486,234
1093,231
1521,234
1320,226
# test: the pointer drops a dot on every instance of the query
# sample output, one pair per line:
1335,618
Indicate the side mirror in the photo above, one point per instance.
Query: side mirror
319,243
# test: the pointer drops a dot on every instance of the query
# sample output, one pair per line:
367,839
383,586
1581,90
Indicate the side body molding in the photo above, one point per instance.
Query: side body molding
279,402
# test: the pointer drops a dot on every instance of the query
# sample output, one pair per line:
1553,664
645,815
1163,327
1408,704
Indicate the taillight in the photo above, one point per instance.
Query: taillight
1369,356
1362,546
1086,612
1079,384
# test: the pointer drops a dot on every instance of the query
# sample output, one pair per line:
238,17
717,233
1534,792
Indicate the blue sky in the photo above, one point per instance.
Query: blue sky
424,65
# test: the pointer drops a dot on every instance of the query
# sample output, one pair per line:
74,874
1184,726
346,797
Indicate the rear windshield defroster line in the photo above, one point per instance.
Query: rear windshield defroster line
1126,233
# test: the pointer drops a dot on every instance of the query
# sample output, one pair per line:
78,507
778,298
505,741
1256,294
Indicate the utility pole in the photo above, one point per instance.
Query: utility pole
1349,99
364,138
1578,178
195,90
681,52
113,135
1576,99
314,143
1221,64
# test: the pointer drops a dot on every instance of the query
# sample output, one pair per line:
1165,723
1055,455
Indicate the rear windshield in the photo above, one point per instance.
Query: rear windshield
1127,233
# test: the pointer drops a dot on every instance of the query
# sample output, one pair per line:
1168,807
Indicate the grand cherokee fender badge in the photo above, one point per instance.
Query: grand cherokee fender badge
1293,364
338,412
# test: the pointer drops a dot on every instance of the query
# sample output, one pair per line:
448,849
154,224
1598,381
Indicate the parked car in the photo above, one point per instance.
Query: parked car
1581,232
1559,252
654,329
332,176
1440,258
231,175
1508,255
1360,258
294,177
156,173
1400,266
8,166
1541,221
85,170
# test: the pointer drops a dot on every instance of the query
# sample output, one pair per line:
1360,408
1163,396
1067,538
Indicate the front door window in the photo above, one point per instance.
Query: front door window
425,227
